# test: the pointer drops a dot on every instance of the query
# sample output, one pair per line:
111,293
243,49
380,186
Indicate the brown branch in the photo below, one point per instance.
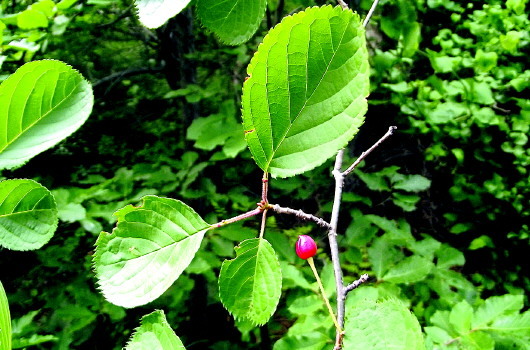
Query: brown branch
300,214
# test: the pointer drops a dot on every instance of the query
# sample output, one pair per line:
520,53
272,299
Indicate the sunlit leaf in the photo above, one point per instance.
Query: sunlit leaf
147,251
5,320
382,325
250,285
154,13
305,97
28,215
154,333
42,103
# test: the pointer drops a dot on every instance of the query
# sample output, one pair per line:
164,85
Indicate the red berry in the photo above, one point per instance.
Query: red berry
305,247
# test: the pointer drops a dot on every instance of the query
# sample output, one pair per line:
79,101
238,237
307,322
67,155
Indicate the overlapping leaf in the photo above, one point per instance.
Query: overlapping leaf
28,215
147,251
305,97
42,103
382,325
250,285
154,333
233,21
154,13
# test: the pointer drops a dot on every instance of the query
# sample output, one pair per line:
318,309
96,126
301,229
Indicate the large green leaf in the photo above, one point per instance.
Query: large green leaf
28,215
411,269
42,103
5,321
250,285
154,333
305,97
233,21
382,325
495,307
154,13
147,251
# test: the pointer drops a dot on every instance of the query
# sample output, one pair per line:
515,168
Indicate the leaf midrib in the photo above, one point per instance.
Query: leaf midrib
9,143
310,96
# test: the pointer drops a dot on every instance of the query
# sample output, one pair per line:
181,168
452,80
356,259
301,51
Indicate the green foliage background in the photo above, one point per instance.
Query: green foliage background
437,216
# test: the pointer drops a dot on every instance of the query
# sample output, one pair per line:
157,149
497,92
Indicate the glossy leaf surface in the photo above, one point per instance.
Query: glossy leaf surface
28,215
147,251
154,333
233,21
305,97
42,103
154,13
382,325
250,285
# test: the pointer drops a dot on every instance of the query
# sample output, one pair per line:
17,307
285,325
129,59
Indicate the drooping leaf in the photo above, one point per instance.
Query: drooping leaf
147,251
5,320
515,323
154,333
250,285
382,325
411,269
42,103
233,21
305,97
28,215
154,13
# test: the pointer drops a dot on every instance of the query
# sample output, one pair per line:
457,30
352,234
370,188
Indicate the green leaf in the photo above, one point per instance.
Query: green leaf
518,324
382,325
438,335
28,215
382,254
412,183
233,21
250,285
305,97
310,341
42,103
496,306
147,251
154,13
460,317
409,270
477,341
5,320
154,333
448,257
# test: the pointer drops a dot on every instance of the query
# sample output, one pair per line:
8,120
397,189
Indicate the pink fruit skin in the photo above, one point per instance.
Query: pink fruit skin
305,247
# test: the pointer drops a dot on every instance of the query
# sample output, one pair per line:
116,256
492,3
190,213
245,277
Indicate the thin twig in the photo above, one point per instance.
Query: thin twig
356,284
369,150
370,13
300,214
343,4
243,216
263,223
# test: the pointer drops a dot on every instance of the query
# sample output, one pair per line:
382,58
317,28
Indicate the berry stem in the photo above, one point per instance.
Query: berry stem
323,293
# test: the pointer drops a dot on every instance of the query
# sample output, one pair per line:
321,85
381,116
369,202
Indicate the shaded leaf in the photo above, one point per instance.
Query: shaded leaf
409,270
250,285
233,21
28,215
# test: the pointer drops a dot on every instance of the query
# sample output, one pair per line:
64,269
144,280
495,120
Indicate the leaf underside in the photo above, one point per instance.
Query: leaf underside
305,97
28,215
154,333
250,285
42,103
147,251
154,13
233,21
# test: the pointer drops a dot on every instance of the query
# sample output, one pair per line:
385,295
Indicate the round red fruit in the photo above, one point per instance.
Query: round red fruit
305,247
